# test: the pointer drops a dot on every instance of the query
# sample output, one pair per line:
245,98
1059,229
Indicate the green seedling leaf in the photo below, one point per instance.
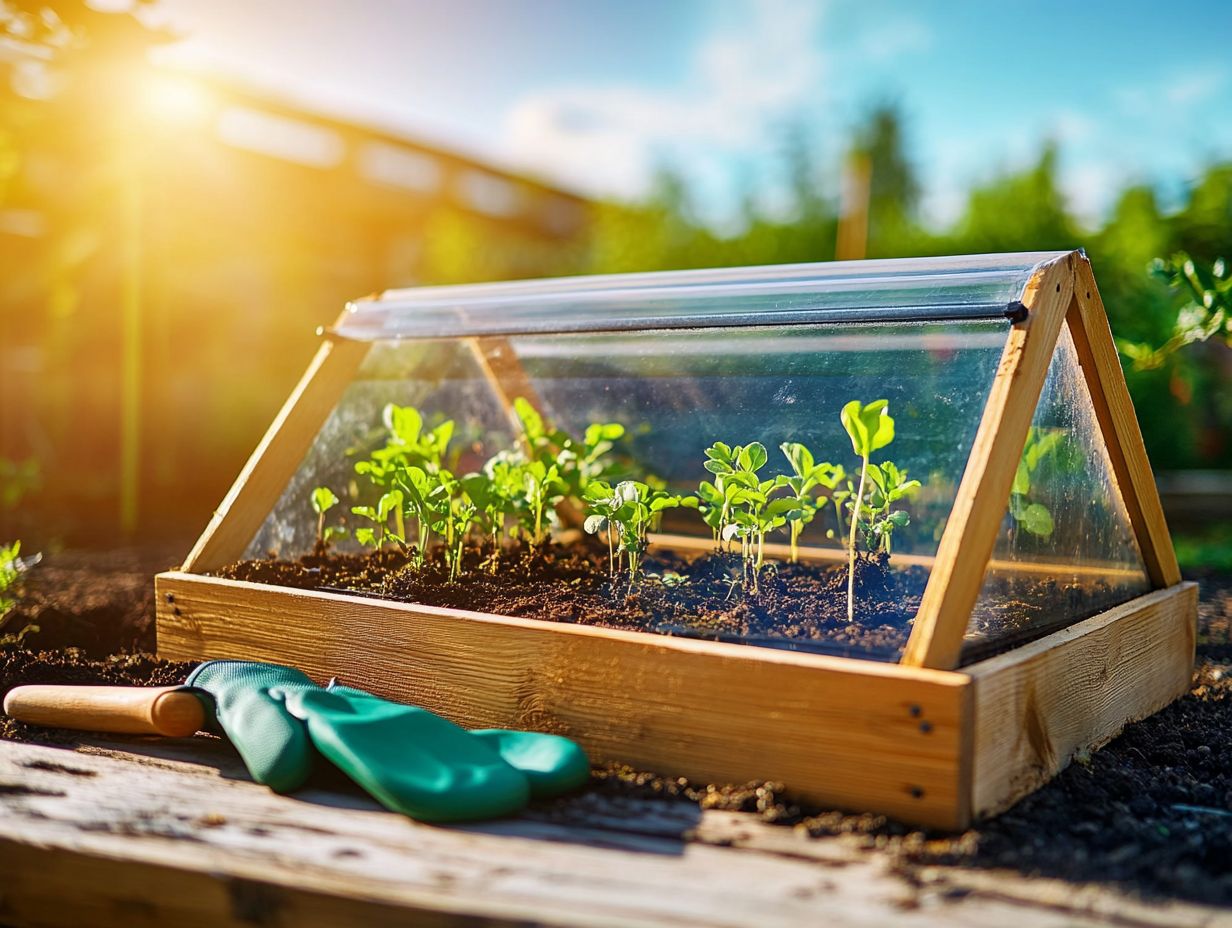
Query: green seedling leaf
323,500
870,427
753,457
1037,520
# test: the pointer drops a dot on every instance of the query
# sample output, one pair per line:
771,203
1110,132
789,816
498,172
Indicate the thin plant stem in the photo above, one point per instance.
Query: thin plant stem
851,544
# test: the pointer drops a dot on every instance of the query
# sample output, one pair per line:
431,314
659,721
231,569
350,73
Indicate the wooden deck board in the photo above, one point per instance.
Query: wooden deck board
140,832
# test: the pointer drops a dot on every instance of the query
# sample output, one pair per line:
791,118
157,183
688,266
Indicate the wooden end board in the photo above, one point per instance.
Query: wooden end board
843,733
979,506
1036,707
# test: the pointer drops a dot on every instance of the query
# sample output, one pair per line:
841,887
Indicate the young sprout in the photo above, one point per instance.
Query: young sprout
543,490
407,444
374,535
889,485
323,500
576,462
629,511
806,478
743,502
870,428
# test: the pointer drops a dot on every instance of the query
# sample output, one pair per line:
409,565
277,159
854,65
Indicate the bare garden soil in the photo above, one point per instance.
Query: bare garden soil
796,606
1151,812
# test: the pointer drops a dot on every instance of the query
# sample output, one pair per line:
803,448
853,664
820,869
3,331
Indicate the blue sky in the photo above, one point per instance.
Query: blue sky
596,93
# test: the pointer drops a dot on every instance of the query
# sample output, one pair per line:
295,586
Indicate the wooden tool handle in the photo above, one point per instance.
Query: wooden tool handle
140,710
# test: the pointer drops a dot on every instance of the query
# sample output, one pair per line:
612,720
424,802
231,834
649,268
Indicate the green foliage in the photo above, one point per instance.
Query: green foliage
12,569
1205,294
807,477
10,574
515,494
323,500
871,428
626,514
740,505
1031,515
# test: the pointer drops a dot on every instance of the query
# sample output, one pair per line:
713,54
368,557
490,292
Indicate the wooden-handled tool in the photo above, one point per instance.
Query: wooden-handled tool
136,710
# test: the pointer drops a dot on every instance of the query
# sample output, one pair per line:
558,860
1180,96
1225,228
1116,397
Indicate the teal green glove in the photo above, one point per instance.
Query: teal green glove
410,760
551,764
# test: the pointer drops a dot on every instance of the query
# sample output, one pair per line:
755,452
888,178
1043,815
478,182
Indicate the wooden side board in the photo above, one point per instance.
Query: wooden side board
1036,707
844,733
932,747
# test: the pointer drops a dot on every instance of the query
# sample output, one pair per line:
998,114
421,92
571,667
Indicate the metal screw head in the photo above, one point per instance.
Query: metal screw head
926,727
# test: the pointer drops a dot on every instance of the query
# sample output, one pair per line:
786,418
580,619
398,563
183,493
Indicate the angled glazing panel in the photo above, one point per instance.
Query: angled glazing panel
1066,550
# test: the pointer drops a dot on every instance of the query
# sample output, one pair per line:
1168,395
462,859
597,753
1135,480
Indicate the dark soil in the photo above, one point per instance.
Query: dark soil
99,601
796,606
1151,812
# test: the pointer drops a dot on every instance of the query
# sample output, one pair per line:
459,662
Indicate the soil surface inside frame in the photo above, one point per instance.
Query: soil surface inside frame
1150,813
795,606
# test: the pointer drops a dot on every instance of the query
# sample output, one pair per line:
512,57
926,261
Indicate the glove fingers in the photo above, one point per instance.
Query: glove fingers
410,760
551,764
274,744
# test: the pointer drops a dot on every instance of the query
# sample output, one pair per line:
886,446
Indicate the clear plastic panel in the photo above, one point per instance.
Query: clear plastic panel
969,287
1066,550
676,393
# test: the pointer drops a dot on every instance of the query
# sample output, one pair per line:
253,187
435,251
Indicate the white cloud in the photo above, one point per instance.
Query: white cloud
743,82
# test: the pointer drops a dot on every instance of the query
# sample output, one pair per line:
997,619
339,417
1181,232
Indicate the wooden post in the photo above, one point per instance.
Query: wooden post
967,543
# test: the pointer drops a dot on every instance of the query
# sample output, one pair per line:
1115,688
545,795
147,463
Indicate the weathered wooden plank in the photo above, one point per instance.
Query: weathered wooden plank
1114,410
275,459
840,732
1037,706
143,833
984,492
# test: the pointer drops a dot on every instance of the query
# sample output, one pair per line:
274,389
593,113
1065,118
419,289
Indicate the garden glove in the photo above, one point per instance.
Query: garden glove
410,760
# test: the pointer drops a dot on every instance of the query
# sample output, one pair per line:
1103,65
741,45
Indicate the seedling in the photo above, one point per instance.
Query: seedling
745,507
407,444
576,462
870,428
323,500
10,574
374,535
889,485
629,511
807,477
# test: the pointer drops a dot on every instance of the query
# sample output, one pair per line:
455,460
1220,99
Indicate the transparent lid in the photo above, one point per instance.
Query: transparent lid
675,394
1066,550
968,287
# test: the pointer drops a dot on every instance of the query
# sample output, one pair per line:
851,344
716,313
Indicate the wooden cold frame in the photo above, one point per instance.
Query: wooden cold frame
920,740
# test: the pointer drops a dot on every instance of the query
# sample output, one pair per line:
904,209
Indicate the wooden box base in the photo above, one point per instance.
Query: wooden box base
926,746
